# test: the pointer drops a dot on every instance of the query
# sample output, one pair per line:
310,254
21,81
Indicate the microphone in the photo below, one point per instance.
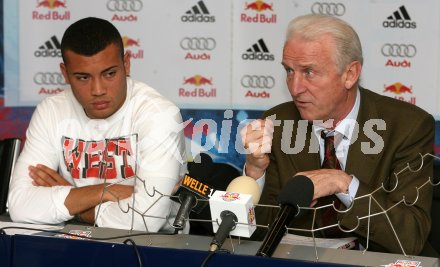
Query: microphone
245,185
193,190
234,210
298,192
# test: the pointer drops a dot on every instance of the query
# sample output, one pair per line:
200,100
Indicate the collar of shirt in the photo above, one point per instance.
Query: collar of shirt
344,128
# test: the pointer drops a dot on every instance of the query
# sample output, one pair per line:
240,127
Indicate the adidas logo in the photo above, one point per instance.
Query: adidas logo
51,48
198,13
399,19
258,51
401,13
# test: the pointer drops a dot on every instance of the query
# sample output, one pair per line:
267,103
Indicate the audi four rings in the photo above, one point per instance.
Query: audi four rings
198,43
399,50
257,81
124,5
334,9
49,78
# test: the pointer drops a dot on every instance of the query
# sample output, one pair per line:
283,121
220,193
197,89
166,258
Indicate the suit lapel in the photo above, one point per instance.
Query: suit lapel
359,163
307,158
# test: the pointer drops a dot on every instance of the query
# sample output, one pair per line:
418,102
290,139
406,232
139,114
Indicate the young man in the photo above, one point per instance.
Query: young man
375,138
100,150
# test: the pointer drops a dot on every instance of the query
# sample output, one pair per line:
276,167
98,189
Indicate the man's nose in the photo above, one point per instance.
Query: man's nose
296,85
98,87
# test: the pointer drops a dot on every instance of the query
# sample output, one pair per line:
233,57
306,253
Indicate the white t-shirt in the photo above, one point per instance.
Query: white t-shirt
143,139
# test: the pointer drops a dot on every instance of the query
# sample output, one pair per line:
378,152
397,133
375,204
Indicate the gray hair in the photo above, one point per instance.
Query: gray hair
311,27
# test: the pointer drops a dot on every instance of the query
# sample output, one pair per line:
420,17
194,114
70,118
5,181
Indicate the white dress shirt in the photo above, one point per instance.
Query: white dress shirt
345,128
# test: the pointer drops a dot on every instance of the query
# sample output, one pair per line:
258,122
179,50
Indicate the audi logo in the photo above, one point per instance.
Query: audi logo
399,50
198,43
256,81
49,78
124,5
334,9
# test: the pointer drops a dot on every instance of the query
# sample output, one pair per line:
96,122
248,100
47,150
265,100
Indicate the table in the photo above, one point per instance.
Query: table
173,250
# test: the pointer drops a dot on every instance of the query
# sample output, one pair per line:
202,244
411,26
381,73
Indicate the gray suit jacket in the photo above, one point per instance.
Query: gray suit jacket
409,132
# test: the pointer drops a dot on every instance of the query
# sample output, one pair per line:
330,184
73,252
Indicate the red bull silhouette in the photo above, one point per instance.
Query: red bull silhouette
197,80
230,196
127,41
51,4
259,6
251,215
398,88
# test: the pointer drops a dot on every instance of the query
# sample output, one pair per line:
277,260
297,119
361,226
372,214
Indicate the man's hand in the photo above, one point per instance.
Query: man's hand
45,176
257,140
87,216
177,185
328,182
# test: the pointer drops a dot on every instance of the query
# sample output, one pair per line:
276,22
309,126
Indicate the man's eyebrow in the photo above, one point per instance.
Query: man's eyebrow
109,68
85,73
81,73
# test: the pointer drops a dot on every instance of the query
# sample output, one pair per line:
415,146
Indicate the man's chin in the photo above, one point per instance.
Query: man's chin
316,119
305,115
98,114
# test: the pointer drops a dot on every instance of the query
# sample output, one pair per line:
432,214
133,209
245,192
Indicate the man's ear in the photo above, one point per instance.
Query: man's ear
127,63
64,72
351,74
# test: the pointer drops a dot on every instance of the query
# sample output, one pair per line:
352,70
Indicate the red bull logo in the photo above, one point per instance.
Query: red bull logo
259,6
230,196
197,80
202,87
51,4
127,41
261,16
133,47
251,215
51,13
404,263
398,88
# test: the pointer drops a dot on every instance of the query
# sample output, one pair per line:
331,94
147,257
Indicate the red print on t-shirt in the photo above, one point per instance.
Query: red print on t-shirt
105,159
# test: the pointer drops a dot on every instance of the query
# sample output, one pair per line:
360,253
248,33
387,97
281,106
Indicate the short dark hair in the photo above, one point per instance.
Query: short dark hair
88,36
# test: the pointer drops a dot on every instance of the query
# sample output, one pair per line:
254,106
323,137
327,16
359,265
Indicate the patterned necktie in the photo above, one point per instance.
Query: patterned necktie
330,159
329,215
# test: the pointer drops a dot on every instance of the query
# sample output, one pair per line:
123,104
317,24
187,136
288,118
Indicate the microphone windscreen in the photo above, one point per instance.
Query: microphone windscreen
245,185
299,191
